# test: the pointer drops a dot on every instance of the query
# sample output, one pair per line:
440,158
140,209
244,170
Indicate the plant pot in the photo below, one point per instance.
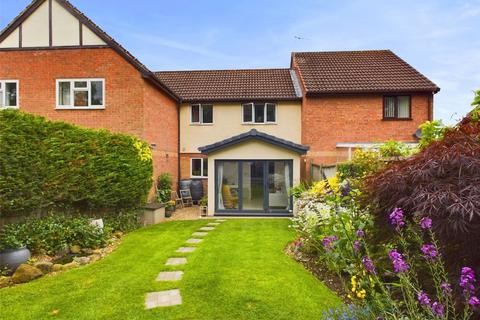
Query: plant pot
12,258
168,212
203,211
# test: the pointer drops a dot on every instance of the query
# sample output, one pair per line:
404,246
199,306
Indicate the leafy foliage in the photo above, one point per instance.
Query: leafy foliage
54,233
442,182
164,187
431,131
125,220
48,165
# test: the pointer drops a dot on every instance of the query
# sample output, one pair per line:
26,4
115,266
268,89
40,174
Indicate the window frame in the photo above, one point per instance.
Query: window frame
202,173
3,92
265,107
72,94
200,114
395,117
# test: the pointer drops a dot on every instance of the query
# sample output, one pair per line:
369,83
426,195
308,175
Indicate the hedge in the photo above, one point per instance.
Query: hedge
49,165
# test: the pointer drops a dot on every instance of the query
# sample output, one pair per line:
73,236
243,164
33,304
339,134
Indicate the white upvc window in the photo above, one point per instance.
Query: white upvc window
201,114
198,167
9,95
259,113
80,93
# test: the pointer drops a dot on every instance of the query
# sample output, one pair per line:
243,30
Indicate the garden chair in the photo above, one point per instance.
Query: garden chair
186,196
178,201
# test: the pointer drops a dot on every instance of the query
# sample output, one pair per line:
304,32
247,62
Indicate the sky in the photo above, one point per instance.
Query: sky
439,38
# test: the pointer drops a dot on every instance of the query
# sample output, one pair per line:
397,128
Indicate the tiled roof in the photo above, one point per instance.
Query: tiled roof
254,134
231,85
359,72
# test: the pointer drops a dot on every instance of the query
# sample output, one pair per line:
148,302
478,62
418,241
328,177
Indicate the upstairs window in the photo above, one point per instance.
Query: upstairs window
199,168
259,113
201,114
81,94
8,94
396,107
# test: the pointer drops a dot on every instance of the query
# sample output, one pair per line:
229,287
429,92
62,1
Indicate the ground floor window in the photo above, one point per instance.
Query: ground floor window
199,168
8,94
253,186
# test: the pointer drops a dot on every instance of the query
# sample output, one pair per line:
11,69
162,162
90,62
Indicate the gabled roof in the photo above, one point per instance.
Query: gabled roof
146,73
254,134
373,71
232,85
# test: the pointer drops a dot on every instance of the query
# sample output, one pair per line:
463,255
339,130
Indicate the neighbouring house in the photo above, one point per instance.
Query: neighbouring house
248,134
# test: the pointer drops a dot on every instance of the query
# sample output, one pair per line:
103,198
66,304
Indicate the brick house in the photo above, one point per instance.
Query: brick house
248,134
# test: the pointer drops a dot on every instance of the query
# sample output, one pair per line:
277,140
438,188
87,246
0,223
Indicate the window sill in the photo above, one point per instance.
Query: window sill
80,108
198,177
5,108
201,124
397,119
258,123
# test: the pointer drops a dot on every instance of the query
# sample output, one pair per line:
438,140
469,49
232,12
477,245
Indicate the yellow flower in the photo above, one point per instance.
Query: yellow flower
361,294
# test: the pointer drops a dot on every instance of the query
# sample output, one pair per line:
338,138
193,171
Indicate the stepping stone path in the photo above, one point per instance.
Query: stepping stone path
172,297
169,276
165,298
176,261
194,240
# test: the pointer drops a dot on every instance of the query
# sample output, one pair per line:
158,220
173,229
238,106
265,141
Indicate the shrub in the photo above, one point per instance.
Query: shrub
443,183
431,131
125,220
164,187
47,166
54,233
363,163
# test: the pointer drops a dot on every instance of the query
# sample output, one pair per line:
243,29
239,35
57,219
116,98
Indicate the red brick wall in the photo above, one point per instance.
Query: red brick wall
161,129
328,120
133,105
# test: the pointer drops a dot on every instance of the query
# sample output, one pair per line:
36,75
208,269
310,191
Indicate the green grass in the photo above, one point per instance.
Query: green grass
238,272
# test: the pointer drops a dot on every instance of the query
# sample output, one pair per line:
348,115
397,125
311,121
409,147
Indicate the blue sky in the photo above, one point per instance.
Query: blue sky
439,38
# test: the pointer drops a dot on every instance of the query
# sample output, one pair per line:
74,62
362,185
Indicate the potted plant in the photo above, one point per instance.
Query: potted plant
169,208
12,251
203,204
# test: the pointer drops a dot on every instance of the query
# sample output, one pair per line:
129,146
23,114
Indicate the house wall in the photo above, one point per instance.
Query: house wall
249,150
227,122
328,120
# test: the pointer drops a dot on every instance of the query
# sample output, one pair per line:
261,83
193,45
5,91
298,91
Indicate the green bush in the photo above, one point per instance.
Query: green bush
124,220
53,233
164,187
47,166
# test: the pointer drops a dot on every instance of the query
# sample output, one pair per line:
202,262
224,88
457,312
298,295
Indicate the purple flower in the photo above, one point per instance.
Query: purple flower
328,242
356,246
429,251
399,265
446,288
467,280
438,309
368,265
423,298
396,218
473,301
426,223
360,233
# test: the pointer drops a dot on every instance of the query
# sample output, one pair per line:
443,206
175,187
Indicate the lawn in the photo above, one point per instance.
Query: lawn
239,271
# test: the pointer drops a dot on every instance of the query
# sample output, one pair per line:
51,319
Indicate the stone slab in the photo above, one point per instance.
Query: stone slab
165,298
186,249
176,261
193,240
199,234
220,220
213,224
206,229
170,276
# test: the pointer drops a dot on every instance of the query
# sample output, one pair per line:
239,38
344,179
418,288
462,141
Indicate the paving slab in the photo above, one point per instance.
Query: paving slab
170,276
220,220
186,249
213,224
206,229
165,298
199,234
193,240
176,261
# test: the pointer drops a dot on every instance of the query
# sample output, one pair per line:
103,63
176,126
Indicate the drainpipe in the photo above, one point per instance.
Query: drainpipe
178,143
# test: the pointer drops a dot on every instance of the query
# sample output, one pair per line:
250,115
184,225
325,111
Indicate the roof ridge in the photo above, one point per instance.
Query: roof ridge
344,51
217,70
